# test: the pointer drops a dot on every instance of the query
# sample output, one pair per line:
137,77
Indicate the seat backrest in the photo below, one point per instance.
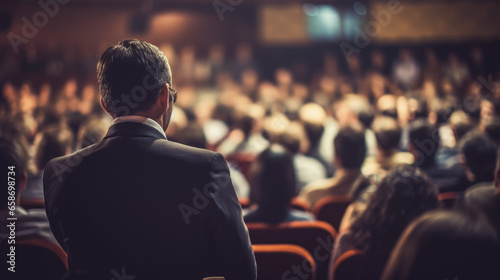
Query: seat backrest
448,199
245,203
35,259
331,209
29,203
243,161
279,261
296,203
316,237
356,265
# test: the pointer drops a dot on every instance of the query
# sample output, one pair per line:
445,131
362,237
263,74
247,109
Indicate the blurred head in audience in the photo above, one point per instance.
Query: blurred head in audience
313,117
92,131
272,180
417,108
441,109
424,142
492,129
445,245
54,141
244,52
293,138
387,105
388,133
353,109
350,147
11,155
478,157
461,123
192,135
134,78
404,194
497,174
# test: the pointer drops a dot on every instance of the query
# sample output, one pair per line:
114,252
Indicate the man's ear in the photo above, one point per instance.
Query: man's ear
164,97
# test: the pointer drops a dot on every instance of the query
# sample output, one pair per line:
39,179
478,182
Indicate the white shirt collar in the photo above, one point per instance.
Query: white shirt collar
140,119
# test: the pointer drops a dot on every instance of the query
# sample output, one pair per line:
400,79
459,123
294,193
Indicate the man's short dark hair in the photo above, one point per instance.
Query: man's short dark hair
387,132
131,75
425,140
480,155
350,146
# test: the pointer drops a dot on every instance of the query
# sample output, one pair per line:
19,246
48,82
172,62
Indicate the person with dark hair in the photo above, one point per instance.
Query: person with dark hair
479,158
53,141
307,169
404,194
313,117
31,223
388,134
138,202
423,144
445,245
350,150
272,187
492,129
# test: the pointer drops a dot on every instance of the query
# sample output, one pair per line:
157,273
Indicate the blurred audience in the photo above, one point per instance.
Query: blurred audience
339,130
31,223
53,141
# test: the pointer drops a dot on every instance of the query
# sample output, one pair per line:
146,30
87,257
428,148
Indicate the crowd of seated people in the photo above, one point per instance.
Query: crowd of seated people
355,132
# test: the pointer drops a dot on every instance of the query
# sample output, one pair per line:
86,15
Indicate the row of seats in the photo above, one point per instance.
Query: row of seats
311,236
301,249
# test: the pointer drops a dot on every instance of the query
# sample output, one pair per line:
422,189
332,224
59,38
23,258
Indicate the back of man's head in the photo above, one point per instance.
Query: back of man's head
461,123
480,155
387,132
13,164
293,138
492,129
131,75
350,146
424,141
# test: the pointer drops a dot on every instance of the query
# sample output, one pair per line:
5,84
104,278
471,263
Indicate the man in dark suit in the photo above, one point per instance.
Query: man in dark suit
137,205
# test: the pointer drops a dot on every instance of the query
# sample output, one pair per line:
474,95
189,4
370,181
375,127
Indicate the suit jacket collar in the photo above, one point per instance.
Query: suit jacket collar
133,129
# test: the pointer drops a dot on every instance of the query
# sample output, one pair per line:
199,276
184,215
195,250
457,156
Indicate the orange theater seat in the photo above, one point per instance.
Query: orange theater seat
283,261
448,199
356,265
242,162
316,237
29,203
331,209
296,203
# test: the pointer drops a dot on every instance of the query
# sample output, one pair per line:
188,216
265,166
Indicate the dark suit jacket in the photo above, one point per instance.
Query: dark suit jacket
136,204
